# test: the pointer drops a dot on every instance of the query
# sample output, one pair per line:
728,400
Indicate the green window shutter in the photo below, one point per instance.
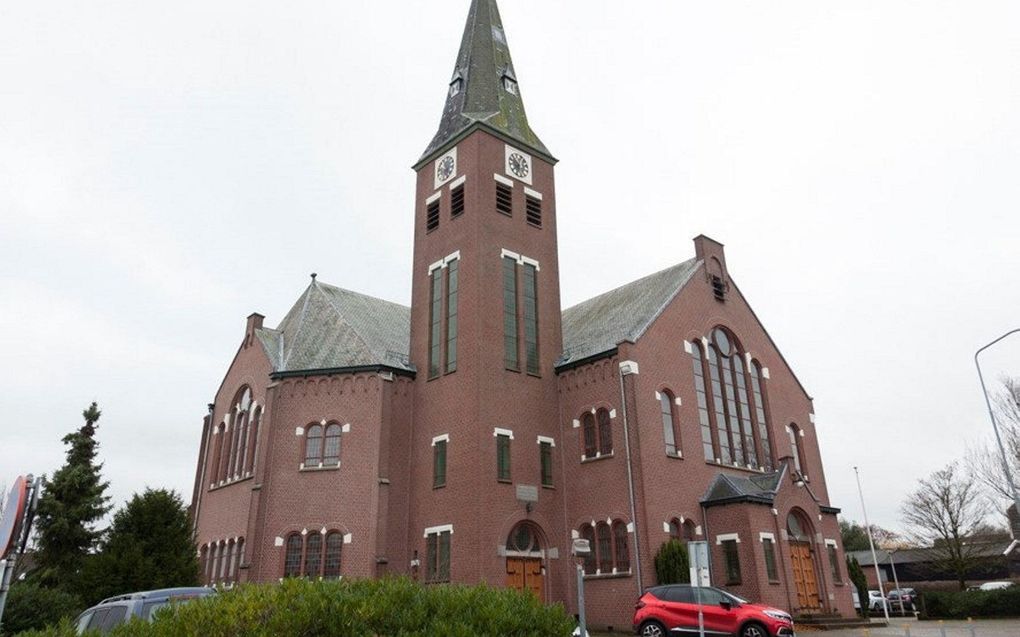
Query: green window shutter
435,333
439,464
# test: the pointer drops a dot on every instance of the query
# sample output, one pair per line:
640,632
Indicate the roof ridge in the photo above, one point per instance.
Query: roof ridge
297,332
631,282
362,294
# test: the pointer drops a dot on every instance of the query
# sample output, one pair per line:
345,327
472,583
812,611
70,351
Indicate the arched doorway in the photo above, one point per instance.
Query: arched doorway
805,580
524,571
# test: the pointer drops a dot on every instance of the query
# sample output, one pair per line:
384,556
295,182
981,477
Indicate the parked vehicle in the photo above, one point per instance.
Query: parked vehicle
876,601
673,609
995,586
114,611
906,596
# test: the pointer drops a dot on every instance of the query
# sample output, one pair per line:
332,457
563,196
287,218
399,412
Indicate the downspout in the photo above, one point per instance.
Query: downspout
627,368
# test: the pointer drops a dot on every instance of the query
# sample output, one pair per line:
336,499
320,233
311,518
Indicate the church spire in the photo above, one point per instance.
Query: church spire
483,89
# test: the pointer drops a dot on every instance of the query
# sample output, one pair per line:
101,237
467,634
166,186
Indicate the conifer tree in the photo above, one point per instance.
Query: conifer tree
71,504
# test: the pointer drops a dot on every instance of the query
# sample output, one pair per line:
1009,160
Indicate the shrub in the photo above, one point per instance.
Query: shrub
31,606
964,604
672,564
353,609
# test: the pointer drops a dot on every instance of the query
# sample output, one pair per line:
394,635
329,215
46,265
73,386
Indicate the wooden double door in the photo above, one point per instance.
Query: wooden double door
804,578
525,574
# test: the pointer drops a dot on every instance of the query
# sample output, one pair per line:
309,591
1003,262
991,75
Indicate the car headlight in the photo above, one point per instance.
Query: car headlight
778,614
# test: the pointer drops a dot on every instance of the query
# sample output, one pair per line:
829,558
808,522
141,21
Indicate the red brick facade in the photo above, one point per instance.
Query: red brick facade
380,497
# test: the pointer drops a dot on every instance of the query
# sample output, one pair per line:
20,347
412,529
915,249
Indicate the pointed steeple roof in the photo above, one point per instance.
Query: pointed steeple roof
483,88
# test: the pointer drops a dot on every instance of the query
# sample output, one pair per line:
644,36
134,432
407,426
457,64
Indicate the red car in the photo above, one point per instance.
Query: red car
673,610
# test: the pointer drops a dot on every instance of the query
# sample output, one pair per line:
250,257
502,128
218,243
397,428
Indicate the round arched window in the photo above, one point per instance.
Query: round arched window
722,342
796,528
522,538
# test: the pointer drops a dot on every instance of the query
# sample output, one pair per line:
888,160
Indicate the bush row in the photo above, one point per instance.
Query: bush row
358,608
964,604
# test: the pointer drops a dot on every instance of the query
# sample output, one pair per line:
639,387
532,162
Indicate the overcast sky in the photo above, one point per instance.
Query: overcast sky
168,168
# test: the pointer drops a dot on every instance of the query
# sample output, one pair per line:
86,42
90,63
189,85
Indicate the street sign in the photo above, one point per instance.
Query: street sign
14,512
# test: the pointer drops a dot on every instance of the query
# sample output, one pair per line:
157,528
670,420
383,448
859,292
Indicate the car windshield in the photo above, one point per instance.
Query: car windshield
739,600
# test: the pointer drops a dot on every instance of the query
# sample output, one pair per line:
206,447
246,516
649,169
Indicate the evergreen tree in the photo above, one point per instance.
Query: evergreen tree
148,546
672,565
69,507
860,582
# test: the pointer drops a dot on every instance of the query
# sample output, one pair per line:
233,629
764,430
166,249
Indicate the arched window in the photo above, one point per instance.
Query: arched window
621,547
210,568
798,460
669,433
591,559
231,557
605,432
216,453
797,527
590,435
313,555
331,450
334,544
735,404
203,563
313,445
239,558
604,547
674,529
690,530
292,557
225,555
253,438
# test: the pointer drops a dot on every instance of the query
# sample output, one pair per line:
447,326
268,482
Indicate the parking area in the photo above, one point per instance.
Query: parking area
914,628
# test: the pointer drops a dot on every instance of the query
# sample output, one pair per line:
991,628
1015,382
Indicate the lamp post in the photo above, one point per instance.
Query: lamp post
874,557
899,591
995,423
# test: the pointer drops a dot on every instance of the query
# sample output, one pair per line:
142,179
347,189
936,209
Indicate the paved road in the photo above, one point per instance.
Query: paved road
913,628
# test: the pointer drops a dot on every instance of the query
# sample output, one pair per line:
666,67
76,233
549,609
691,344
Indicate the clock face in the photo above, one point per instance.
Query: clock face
519,165
445,168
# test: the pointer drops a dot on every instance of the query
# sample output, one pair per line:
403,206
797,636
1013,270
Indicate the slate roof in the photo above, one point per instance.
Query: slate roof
919,555
756,488
599,324
483,62
333,328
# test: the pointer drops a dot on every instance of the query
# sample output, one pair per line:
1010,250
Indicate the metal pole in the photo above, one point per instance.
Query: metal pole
581,622
874,557
995,424
630,481
6,571
896,579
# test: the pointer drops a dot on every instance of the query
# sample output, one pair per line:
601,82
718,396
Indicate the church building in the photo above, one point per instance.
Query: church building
473,435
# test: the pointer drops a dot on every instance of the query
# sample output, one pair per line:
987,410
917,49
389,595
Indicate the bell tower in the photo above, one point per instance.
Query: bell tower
485,332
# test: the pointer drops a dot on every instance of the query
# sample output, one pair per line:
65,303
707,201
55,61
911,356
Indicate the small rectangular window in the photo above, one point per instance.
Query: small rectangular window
834,564
457,201
534,211
439,464
510,350
503,457
732,561
437,557
504,199
432,216
770,559
435,333
545,459
453,274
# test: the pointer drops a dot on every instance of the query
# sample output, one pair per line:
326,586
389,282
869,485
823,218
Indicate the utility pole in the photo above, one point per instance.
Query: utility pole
874,557
995,424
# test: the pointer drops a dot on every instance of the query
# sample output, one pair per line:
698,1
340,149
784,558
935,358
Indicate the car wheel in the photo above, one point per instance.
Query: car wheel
652,629
754,630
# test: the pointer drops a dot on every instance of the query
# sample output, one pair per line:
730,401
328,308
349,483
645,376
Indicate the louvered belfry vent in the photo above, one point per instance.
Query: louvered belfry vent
432,216
534,211
457,201
504,199
718,288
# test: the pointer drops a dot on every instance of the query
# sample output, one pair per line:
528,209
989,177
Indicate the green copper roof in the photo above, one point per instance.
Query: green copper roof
478,88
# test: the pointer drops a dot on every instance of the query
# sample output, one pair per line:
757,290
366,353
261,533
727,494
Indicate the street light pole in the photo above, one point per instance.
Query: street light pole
874,557
899,591
995,423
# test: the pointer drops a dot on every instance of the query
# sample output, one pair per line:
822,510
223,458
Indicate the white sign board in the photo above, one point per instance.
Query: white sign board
698,555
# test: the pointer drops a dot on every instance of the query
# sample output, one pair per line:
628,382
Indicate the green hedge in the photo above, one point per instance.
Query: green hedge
354,609
964,604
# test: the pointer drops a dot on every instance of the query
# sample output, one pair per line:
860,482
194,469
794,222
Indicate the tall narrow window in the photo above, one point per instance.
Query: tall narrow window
769,546
590,436
834,563
457,201
605,547
530,285
313,555
331,449
732,418
533,209
605,431
545,461
216,453
746,429
794,432
292,558
731,559
239,557
451,315
504,199
313,445
621,546
717,402
699,388
334,545
432,216
591,559
668,424
253,438
437,557
435,334
510,346
439,464
503,457
760,413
